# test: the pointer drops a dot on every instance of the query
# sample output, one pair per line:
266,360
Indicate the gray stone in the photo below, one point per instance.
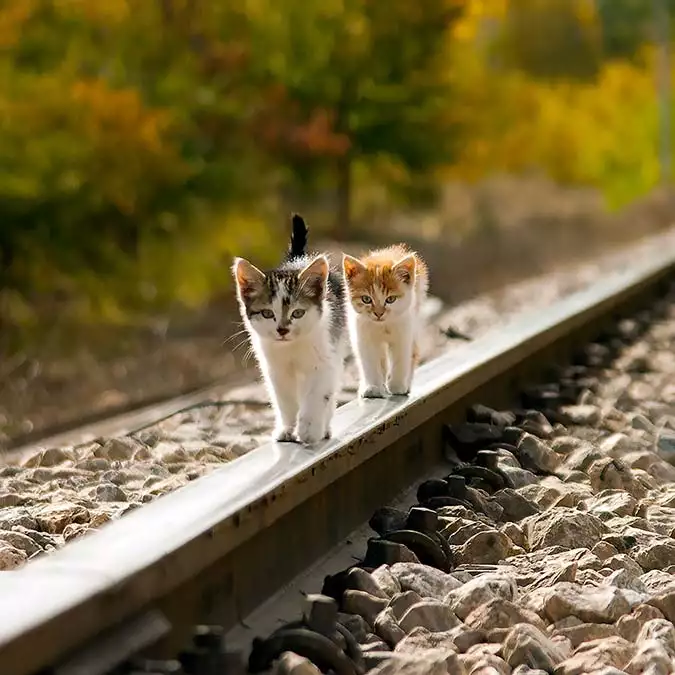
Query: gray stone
20,541
501,613
527,645
355,624
109,492
486,547
536,454
11,557
359,580
583,632
650,659
459,639
386,580
361,603
614,474
40,538
429,582
420,662
591,656
118,448
11,499
515,534
592,605
13,516
654,554
402,602
604,550
661,631
563,527
459,530
480,590
290,663
54,518
388,628
430,614
666,446
621,561
515,506
624,579
482,661
658,581
630,625
611,503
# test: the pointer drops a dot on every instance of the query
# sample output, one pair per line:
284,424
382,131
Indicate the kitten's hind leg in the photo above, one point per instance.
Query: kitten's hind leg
338,366
316,408
330,410
371,360
401,363
284,393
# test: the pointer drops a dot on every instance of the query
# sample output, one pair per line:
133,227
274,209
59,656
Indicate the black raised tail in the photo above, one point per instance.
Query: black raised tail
298,245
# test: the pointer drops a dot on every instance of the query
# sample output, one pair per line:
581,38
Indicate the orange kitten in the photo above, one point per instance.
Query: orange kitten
387,288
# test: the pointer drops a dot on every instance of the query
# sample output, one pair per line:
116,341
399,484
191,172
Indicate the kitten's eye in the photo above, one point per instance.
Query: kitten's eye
390,299
366,299
267,314
298,313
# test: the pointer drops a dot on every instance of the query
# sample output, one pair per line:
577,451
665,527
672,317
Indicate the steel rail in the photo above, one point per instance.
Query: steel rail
217,548
118,422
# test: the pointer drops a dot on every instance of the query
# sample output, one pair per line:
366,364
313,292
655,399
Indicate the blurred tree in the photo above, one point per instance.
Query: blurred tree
141,141
119,128
366,77
627,25
552,38
600,133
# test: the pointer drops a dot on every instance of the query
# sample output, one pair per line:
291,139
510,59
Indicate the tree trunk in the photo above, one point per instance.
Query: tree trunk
344,166
344,197
166,9
6,260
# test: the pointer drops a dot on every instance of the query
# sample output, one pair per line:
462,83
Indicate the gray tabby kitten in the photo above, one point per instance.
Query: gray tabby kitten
295,316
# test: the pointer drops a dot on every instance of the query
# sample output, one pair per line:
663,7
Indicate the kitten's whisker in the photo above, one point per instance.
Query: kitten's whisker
240,344
234,335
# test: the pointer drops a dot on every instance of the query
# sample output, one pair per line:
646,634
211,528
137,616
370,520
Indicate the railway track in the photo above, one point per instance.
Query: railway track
230,552
67,485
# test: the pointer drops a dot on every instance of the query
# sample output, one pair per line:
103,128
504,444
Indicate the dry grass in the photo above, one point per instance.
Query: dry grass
507,229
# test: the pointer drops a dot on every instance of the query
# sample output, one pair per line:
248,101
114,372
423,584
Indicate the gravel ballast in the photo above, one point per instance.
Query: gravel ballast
50,495
561,548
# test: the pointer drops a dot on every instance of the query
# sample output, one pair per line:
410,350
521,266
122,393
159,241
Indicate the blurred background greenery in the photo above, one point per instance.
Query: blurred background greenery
145,142
142,142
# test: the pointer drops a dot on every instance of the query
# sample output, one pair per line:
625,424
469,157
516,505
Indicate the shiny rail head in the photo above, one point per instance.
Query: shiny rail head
111,574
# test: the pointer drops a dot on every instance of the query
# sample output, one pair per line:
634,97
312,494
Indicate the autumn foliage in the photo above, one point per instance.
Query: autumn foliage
143,141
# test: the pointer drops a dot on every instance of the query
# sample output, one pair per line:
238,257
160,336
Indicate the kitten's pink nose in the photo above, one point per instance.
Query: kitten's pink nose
282,331
379,314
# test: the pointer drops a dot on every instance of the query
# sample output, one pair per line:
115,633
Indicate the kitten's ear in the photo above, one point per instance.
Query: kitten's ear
404,269
248,276
313,278
351,266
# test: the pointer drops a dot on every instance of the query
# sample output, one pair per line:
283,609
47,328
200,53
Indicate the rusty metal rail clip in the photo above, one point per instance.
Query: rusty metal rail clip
318,636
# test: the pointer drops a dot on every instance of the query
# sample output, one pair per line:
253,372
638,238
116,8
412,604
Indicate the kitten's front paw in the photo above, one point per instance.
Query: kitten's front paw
284,435
398,389
372,391
309,433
